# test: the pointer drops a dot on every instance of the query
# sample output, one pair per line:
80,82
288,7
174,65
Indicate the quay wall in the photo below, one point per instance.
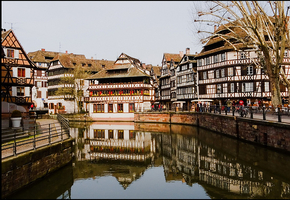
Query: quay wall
267,133
25,168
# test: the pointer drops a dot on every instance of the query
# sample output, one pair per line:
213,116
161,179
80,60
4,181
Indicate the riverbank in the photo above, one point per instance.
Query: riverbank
262,132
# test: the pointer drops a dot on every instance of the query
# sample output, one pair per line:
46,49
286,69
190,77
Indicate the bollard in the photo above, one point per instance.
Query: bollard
264,114
233,110
279,115
251,111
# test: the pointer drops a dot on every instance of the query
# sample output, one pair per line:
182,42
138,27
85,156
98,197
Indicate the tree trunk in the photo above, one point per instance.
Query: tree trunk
275,92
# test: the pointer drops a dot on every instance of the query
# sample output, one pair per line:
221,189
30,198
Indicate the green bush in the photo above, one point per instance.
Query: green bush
16,113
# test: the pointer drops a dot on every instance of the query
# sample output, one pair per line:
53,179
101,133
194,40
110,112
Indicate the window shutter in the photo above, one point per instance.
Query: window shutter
26,91
38,94
16,53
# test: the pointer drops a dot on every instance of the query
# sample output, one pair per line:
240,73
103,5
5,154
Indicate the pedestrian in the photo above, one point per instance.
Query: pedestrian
229,105
159,107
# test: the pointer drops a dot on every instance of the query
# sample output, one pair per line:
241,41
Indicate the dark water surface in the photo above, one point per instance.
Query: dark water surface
143,160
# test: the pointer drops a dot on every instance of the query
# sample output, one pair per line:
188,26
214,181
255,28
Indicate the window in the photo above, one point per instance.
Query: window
20,91
51,106
21,72
266,87
82,82
132,134
223,73
10,53
131,107
120,134
204,75
210,89
232,87
211,74
208,60
103,66
243,55
120,107
230,71
111,134
223,56
110,108
98,108
247,87
89,65
199,62
99,133
250,70
217,73
219,89
215,58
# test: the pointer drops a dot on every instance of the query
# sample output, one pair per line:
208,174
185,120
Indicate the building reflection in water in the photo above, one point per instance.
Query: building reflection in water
225,167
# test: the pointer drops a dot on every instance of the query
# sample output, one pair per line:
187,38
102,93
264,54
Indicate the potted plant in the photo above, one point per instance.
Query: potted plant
16,117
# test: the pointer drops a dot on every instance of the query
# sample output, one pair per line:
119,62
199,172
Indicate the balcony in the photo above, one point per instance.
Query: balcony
119,86
14,81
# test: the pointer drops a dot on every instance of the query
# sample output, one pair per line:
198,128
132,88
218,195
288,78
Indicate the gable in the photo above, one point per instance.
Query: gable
13,49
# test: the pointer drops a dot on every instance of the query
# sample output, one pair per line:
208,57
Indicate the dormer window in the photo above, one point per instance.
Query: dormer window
83,64
74,64
89,65
103,66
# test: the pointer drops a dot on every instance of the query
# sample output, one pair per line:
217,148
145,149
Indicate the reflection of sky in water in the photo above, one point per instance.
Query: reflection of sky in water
151,184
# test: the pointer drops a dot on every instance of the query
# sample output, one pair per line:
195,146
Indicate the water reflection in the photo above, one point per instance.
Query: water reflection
184,156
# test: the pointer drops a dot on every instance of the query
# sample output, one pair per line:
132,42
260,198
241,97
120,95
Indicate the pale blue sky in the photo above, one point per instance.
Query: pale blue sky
103,29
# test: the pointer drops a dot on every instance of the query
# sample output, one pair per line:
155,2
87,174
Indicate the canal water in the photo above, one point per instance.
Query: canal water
124,160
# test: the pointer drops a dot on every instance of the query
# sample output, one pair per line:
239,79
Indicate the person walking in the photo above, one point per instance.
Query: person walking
229,105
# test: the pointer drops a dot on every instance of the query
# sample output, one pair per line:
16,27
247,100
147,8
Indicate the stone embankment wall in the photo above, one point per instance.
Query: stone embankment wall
25,168
267,133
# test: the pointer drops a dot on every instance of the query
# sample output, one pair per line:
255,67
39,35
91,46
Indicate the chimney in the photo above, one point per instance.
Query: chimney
144,65
92,58
214,28
187,50
42,49
66,52
181,53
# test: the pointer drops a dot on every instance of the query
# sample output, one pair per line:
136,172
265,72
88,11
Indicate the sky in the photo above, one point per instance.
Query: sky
103,29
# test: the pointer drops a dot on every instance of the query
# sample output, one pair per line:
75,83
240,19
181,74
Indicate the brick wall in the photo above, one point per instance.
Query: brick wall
271,134
19,171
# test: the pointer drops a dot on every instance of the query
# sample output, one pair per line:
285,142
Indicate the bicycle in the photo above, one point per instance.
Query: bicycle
244,112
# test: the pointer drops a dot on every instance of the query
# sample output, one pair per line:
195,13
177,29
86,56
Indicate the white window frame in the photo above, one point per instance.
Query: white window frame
232,87
250,70
223,73
230,71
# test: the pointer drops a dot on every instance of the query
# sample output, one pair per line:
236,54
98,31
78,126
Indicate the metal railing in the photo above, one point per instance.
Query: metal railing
265,113
33,138
63,121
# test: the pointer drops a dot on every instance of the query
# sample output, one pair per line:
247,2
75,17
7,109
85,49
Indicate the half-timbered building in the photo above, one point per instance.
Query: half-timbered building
65,65
42,60
169,62
116,92
17,72
225,72
186,81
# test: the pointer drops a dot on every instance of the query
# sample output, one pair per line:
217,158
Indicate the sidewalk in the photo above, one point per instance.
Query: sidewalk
273,117
54,131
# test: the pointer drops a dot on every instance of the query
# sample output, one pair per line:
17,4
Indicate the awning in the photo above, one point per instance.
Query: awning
156,102
179,102
200,100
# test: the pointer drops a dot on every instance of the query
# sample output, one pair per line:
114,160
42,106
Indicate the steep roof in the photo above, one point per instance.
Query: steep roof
171,56
42,56
9,39
124,67
217,44
75,60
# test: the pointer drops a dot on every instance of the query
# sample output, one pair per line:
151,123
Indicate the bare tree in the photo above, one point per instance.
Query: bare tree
73,85
260,26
